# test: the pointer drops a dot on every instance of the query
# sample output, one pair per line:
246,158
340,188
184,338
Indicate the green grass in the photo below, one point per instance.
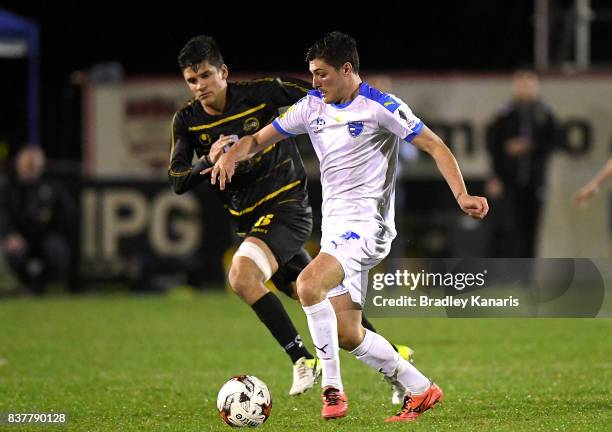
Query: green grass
156,363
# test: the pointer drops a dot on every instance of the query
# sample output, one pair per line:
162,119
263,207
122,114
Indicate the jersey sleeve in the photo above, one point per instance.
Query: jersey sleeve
396,117
293,121
181,174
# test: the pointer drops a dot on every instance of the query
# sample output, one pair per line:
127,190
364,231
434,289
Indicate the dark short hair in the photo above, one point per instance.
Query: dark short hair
198,49
335,48
525,68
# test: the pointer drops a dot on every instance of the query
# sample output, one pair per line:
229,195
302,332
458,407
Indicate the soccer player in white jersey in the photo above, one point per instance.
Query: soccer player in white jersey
355,130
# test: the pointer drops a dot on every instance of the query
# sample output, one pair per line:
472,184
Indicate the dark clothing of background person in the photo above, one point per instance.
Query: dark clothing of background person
517,212
43,214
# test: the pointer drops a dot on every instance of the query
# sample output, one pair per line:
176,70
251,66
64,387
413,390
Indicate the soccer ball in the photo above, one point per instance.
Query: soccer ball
244,401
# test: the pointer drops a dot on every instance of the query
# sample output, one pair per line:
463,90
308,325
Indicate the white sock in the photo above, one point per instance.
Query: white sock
377,352
411,378
324,332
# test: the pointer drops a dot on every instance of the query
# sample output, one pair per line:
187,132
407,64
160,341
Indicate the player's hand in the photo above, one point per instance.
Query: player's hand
221,146
584,194
474,206
223,170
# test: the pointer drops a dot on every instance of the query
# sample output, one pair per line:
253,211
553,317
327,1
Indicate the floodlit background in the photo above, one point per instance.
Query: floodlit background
97,91
95,87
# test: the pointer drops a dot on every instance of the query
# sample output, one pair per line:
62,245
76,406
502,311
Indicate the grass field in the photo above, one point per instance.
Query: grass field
156,363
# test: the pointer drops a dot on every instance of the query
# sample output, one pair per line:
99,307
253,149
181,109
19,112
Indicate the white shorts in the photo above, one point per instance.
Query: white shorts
358,249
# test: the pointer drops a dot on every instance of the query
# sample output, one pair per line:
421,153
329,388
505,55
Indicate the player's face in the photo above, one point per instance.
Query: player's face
206,82
328,80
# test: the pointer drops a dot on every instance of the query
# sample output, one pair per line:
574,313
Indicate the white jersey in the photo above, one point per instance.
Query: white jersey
357,145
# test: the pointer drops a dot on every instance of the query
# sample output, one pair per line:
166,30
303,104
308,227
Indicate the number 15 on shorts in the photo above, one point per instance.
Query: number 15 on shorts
264,220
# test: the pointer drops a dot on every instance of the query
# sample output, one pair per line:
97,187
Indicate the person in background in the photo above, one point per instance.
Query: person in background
520,140
37,216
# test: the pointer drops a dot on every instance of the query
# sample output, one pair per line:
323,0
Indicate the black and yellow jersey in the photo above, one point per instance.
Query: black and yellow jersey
272,176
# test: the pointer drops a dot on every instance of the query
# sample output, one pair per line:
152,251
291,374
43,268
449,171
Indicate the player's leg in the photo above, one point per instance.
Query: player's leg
286,275
284,229
351,333
313,284
407,353
306,369
284,280
375,351
252,265
404,350
338,266
357,252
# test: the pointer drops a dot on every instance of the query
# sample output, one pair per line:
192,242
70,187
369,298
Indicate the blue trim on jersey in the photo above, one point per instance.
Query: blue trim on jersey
342,105
377,96
315,93
345,104
280,129
417,130
373,94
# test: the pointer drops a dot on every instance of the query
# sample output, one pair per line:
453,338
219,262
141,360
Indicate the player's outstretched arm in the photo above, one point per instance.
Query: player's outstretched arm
474,206
584,194
242,150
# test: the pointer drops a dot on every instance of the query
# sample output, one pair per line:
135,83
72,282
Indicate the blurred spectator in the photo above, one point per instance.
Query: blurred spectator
584,194
520,140
36,219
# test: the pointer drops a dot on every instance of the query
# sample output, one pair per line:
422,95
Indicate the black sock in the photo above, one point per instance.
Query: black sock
367,324
271,312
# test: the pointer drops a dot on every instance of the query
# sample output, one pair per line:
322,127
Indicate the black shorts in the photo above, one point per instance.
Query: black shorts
285,228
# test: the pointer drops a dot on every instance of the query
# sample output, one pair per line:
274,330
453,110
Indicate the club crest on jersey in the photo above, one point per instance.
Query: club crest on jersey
205,139
355,128
251,124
